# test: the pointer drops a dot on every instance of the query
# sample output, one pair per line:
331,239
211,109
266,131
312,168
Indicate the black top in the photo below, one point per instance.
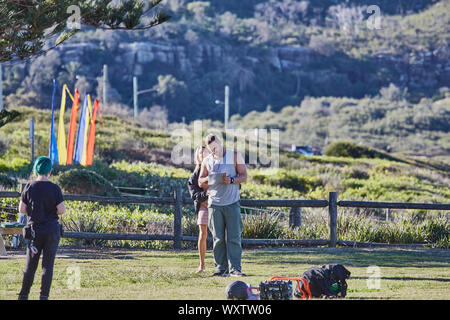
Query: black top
41,198
197,194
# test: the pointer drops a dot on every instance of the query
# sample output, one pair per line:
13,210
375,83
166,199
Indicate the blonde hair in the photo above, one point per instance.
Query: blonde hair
198,156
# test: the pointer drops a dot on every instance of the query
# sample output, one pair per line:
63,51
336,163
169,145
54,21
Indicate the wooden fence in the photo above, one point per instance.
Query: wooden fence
178,202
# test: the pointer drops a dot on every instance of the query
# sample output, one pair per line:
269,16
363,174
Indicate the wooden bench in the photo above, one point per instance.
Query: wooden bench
7,231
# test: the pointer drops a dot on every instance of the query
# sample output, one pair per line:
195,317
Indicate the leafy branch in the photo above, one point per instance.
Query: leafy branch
28,27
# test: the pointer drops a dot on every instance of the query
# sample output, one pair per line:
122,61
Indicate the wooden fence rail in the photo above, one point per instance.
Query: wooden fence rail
178,202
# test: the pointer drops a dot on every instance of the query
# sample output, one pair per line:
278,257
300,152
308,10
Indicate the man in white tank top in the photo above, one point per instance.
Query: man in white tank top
223,171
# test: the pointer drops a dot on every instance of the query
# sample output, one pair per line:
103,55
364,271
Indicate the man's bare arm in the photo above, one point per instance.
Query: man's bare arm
241,169
22,207
60,208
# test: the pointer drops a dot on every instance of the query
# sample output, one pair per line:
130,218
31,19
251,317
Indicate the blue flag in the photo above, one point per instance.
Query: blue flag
79,142
53,150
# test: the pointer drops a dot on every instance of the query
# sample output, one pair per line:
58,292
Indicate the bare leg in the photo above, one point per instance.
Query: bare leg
203,234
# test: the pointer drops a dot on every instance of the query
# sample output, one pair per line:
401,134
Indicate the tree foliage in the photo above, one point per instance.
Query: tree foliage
31,27
7,116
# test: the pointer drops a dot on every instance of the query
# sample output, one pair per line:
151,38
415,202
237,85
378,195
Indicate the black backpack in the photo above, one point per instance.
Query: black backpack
327,281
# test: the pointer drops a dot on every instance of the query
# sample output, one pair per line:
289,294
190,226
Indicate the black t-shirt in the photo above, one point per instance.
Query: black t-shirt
41,198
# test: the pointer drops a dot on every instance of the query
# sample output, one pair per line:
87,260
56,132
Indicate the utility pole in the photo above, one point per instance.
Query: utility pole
1,89
135,97
105,81
32,139
227,105
136,92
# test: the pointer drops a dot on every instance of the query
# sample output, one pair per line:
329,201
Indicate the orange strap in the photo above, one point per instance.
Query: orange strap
305,295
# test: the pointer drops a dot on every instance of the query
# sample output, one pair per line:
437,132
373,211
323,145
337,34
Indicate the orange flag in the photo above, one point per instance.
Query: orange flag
72,127
91,139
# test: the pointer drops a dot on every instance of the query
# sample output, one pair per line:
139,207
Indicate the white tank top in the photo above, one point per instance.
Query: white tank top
222,194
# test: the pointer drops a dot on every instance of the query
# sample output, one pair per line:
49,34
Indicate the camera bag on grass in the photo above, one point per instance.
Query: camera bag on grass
327,281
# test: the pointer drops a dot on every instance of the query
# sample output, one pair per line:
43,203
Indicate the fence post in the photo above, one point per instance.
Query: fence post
295,217
177,227
332,209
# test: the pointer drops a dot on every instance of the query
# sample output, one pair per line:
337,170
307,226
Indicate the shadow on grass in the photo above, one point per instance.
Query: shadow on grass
406,279
419,258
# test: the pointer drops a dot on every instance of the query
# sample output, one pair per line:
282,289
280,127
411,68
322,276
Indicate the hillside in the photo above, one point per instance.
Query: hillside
134,160
384,122
129,155
269,52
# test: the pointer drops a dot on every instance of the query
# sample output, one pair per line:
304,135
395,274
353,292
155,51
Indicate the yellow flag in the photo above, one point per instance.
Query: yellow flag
62,147
88,119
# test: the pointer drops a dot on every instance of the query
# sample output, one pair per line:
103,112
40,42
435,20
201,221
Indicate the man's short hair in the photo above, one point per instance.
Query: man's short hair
210,138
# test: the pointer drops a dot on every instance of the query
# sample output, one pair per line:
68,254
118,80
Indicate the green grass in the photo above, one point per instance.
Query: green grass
148,274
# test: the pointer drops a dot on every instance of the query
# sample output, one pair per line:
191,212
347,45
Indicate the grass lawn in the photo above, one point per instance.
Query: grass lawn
106,273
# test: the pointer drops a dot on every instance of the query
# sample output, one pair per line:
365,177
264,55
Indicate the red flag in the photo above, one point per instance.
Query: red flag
91,139
72,127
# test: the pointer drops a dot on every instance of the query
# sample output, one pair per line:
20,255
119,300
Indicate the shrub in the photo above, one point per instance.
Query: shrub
354,173
352,150
384,169
393,93
3,146
164,186
94,217
83,181
262,225
7,182
286,179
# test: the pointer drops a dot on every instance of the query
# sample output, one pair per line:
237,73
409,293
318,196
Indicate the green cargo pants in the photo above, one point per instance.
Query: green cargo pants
225,224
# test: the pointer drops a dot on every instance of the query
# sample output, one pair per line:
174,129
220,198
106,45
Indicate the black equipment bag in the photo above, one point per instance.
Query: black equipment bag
327,281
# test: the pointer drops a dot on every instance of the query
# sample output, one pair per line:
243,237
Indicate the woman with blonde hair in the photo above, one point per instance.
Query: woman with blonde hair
200,197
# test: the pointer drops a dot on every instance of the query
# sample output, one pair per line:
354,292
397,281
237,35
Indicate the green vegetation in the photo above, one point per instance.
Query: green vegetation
355,171
375,100
82,181
7,182
348,149
116,139
250,47
113,274
62,19
413,129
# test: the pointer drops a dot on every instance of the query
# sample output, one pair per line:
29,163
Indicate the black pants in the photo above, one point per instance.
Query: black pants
47,244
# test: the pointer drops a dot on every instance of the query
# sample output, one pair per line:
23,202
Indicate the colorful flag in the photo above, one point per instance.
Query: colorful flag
79,144
91,140
62,149
53,150
72,126
86,124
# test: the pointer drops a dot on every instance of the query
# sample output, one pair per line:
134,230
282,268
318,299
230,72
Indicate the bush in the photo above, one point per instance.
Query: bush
83,181
384,169
98,218
393,93
354,173
7,182
164,186
3,146
352,150
262,225
286,179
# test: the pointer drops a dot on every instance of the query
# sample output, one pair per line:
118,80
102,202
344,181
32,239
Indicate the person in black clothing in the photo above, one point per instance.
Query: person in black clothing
200,197
43,202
